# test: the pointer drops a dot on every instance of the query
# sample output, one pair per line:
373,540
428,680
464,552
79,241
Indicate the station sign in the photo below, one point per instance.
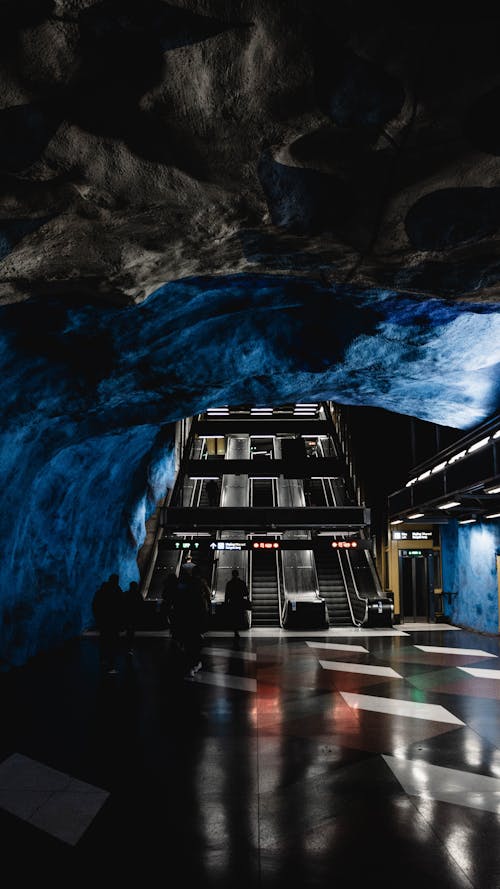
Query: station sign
412,535
204,544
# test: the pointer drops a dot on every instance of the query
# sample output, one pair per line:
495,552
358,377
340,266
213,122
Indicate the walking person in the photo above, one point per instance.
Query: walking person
168,599
191,615
107,607
133,603
237,602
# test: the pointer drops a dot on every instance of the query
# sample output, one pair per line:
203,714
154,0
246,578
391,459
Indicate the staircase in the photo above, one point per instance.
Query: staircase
332,589
265,604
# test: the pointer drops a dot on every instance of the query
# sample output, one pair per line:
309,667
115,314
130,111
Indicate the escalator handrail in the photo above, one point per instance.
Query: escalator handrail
362,599
354,621
374,573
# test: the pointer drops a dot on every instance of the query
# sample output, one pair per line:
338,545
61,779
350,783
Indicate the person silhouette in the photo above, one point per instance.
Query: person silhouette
108,611
237,602
190,616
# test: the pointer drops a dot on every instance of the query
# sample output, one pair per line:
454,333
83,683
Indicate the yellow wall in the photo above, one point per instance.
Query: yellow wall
392,582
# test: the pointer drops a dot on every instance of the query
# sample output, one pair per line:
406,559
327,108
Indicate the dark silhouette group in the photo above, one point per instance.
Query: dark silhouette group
115,610
184,609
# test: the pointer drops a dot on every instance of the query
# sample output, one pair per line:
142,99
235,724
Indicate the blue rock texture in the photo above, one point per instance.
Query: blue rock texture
469,571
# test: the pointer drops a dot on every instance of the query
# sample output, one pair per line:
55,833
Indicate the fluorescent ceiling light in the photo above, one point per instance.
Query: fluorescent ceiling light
307,405
203,478
493,515
397,522
497,434
478,444
465,521
424,475
449,504
439,467
411,482
457,457
416,515
493,490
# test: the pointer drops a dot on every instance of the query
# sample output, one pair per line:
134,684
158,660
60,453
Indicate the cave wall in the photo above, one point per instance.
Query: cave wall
469,572
210,202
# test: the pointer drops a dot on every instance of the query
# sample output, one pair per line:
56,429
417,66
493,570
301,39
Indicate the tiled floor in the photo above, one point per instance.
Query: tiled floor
296,759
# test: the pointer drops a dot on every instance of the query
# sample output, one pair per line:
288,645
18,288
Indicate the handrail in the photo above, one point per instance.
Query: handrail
374,572
279,586
360,598
355,622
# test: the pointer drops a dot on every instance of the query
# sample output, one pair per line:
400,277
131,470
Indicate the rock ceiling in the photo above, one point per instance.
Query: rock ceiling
210,202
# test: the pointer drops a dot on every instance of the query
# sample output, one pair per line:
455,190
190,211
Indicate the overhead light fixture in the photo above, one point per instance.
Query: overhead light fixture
465,521
493,490
416,515
478,444
397,522
449,505
439,467
497,434
411,482
424,475
493,515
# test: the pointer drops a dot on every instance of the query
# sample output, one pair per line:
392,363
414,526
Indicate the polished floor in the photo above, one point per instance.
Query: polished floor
326,759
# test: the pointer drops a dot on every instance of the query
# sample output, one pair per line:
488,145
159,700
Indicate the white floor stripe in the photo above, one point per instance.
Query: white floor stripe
231,653
360,668
470,652
337,646
241,683
418,778
481,673
395,707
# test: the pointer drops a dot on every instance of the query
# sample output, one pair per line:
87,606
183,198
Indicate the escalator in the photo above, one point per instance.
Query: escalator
262,492
265,599
332,588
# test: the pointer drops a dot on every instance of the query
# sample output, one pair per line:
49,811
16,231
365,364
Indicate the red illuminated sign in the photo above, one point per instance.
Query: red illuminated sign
343,544
261,544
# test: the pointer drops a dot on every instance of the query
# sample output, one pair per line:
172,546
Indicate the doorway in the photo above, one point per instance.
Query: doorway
416,584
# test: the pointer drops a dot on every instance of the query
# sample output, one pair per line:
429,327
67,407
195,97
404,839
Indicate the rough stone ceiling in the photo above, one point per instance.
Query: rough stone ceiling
209,202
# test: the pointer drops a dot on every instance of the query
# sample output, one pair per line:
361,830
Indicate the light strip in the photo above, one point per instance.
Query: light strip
497,434
493,490
493,515
424,475
449,505
466,521
457,457
478,444
397,522
416,515
411,482
439,467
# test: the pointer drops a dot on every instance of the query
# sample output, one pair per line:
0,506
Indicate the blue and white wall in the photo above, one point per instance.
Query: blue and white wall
469,570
